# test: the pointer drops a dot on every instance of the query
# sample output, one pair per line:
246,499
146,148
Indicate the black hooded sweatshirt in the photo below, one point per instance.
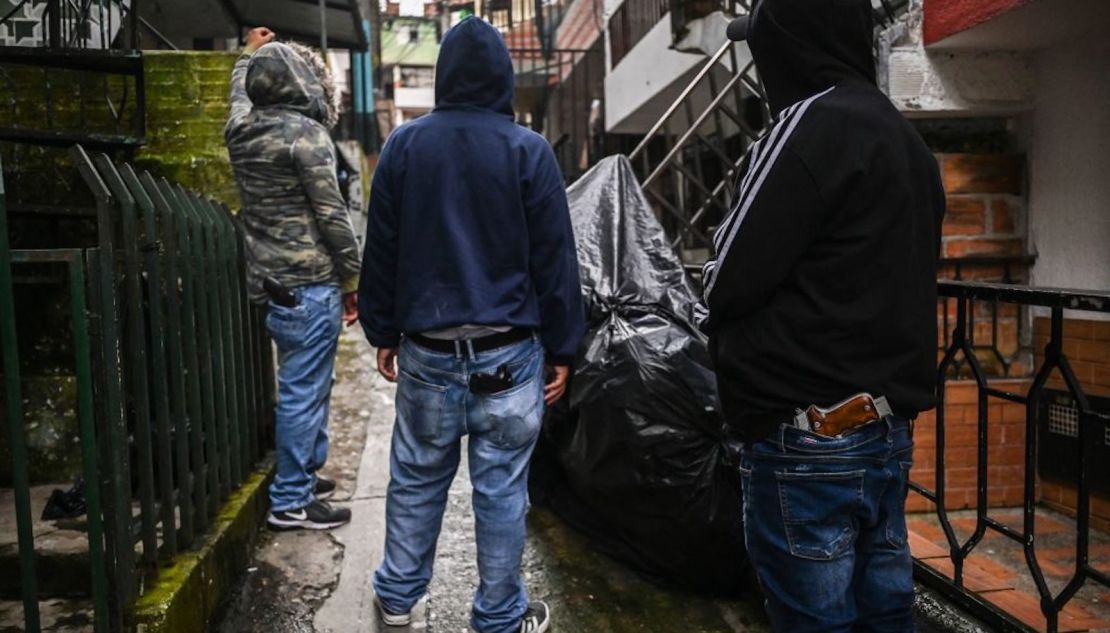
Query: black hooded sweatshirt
824,281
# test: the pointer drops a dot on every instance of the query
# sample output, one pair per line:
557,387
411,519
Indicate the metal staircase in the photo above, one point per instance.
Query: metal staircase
689,160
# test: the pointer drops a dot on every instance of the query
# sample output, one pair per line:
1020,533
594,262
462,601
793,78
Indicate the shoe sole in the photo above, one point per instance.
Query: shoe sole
390,619
277,525
395,620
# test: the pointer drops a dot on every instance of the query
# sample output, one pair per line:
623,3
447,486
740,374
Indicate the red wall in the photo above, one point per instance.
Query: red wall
948,17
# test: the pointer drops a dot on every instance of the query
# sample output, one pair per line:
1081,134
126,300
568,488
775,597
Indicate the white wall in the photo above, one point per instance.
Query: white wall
1068,145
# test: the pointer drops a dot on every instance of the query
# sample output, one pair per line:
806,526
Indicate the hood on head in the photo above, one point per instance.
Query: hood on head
279,76
474,70
802,47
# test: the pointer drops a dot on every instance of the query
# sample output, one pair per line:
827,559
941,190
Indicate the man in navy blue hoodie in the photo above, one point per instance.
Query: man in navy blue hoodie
469,290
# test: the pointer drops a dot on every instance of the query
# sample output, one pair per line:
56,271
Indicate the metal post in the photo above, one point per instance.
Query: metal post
113,440
14,419
135,360
82,350
163,449
324,28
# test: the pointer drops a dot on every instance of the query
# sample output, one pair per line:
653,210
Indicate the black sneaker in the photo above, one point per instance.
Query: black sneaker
325,489
317,515
536,619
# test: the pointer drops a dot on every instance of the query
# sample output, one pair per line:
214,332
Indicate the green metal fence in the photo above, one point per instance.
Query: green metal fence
174,377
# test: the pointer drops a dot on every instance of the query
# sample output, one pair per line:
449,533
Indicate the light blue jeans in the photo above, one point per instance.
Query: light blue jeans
435,409
306,337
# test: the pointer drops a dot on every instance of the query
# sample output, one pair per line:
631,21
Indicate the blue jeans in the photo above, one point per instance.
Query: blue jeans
825,526
435,409
306,337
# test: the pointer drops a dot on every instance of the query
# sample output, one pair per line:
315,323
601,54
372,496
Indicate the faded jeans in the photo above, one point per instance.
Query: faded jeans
306,337
435,409
825,525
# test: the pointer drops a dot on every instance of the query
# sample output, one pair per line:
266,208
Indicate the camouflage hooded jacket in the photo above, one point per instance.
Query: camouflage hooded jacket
296,223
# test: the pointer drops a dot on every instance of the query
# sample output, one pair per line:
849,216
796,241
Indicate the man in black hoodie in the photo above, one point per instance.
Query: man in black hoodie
824,288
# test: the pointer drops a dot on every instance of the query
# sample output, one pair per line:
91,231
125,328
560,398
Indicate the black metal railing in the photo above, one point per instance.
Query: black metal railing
688,162
1092,432
998,332
72,72
561,94
174,376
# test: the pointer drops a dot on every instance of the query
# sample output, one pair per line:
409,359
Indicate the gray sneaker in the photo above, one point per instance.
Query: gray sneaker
536,619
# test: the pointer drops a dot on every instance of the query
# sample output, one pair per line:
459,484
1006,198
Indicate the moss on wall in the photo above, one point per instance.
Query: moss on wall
187,106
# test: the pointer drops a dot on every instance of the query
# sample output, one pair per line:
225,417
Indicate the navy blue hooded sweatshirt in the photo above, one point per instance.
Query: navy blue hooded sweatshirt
468,220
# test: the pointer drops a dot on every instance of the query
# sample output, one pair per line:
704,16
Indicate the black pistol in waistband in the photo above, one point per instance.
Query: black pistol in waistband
279,294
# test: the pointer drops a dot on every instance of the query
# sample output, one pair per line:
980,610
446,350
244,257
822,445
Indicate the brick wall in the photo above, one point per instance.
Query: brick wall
986,206
1087,345
1005,456
985,218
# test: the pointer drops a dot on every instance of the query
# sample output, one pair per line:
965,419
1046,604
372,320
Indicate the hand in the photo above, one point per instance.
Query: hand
258,37
556,383
350,309
387,363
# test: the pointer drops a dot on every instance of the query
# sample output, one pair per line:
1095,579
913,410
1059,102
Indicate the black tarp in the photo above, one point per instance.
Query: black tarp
639,457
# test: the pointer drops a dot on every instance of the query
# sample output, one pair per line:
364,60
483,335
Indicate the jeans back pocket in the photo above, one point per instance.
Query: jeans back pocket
513,417
420,406
818,511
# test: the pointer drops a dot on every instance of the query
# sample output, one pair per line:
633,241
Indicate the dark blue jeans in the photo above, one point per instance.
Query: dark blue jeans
825,525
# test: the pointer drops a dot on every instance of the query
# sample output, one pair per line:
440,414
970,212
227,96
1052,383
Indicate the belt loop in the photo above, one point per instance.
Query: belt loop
470,348
458,350
782,438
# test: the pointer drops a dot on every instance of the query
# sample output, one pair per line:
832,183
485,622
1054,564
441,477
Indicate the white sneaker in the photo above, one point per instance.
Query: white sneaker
393,619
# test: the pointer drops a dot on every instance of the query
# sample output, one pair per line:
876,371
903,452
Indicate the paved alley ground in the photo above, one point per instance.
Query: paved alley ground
303,582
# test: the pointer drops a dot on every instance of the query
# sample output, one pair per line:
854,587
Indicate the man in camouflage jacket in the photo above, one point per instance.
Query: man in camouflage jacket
299,235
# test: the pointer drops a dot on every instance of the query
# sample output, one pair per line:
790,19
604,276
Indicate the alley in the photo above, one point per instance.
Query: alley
318,582
302,582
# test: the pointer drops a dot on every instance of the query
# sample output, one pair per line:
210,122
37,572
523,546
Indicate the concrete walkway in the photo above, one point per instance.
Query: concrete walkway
304,582
587,592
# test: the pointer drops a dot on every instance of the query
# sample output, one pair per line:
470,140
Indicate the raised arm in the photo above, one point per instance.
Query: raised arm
240,102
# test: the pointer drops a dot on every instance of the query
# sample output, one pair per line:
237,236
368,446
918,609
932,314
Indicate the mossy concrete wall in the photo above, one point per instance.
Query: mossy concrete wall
188,595
187,107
